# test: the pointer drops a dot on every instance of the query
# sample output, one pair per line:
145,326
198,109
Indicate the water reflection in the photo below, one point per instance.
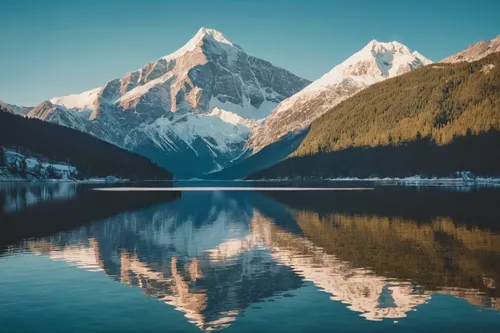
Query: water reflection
15,197
38,209
212,255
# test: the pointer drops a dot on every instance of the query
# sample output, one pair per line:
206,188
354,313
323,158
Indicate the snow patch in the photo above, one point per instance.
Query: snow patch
232,118
246,110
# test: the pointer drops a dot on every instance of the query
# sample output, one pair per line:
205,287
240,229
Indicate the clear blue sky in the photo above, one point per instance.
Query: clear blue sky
54,48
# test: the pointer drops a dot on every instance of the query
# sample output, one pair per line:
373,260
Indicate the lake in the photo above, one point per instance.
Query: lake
339,256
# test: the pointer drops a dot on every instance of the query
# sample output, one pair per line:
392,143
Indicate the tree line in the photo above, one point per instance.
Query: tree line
476,153
431,120
91,156
439,102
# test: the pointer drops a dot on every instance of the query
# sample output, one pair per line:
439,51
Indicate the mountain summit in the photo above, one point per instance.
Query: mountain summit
375,62
190,111
204,35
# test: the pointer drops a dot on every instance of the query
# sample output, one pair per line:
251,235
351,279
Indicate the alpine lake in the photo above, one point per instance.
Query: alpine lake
275,257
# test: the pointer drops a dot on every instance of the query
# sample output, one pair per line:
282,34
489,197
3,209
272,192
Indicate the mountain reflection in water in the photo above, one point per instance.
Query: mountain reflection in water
212,255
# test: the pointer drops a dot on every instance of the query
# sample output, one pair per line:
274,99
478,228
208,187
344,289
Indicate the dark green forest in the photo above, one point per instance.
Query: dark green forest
432,121
91,156
439,101
476,153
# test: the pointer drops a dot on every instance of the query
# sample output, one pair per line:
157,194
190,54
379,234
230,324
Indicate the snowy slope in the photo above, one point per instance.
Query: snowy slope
375,62
81,102
191,111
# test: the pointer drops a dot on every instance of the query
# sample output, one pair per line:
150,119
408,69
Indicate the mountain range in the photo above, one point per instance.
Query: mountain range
211,110
190,112
285,127
434,121
374,63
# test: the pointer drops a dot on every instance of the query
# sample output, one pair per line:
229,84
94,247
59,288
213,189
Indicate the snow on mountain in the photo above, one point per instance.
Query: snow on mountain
83,101
475,51
190,111
60,115
25,167
233,118
375,62
205,136
215,35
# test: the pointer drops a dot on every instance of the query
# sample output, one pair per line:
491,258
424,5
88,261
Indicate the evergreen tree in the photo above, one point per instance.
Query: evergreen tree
2,157
38,167
51,172
23,167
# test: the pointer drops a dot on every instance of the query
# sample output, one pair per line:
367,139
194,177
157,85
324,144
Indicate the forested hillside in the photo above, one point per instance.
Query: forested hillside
439,101
476,153
92,157
435,120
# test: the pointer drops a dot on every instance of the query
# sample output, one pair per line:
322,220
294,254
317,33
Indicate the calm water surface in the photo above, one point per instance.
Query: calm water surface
391,259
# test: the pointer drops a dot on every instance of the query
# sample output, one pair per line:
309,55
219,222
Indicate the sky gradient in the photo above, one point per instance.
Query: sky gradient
55,48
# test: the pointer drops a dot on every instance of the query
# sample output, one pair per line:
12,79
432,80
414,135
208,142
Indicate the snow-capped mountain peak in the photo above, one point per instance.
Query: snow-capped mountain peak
190,111
375,47
214,37
375,62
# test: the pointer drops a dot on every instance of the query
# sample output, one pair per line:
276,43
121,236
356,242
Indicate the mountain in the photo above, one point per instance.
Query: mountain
433,121
374,63
191,111
37,140
475,51
283,130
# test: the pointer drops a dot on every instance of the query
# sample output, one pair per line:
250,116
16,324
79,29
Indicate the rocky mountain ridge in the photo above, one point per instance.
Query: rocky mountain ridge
191,111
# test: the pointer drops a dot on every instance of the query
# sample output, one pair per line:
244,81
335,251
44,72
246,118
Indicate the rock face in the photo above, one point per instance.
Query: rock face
475,51
375,62
191,111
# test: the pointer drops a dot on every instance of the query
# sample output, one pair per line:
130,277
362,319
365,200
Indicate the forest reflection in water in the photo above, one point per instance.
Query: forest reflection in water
212,255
